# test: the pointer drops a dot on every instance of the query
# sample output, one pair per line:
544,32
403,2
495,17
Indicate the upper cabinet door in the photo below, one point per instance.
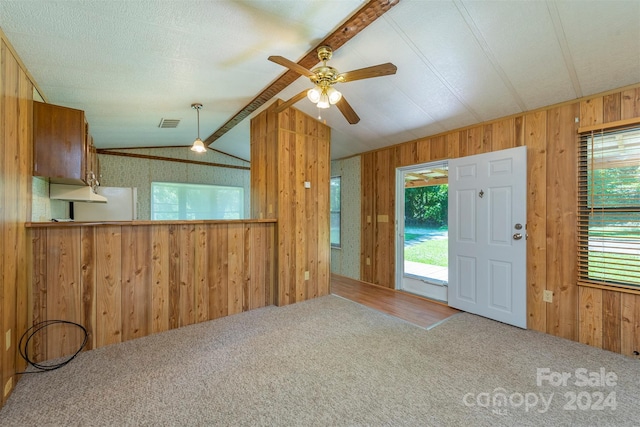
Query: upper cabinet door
59,143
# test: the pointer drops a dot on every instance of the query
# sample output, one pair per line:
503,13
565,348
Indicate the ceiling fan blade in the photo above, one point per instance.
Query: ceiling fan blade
291,65
288,103
347,111
367,73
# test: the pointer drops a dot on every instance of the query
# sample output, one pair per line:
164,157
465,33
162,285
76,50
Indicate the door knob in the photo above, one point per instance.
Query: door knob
517,236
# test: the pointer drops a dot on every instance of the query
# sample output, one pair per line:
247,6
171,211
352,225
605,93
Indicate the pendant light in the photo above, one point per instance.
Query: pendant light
198,145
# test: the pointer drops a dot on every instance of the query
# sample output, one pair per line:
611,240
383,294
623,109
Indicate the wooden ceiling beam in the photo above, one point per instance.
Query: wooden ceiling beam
431,182
352,26
418,175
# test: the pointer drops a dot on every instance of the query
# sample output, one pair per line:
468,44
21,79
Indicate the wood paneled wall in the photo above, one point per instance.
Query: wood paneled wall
16,100
128,281
598,317
609,319
287,150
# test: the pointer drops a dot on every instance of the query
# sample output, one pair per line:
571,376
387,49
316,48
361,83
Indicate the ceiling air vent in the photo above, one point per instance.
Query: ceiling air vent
168,123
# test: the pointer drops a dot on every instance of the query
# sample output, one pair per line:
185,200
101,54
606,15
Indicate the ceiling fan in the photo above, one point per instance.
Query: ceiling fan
323,94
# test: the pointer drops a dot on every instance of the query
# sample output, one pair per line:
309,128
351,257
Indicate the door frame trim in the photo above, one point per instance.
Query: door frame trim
399,225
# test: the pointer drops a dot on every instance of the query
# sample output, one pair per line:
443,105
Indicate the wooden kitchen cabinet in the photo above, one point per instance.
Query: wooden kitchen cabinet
62,146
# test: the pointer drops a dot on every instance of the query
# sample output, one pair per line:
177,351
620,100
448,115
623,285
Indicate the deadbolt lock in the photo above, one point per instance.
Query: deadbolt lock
518,226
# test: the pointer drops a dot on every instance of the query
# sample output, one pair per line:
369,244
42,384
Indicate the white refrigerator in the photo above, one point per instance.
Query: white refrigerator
121,206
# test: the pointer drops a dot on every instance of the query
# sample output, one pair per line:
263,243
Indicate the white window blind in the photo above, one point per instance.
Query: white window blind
609,208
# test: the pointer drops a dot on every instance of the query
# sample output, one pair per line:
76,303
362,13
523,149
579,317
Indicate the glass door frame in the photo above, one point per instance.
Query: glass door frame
429,288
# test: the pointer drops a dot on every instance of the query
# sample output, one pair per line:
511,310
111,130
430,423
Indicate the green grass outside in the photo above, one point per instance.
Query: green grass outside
613,232
605,265
432,252
600,268
411,236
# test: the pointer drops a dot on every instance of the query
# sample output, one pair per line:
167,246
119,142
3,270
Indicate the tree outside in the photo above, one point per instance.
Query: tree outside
427,206
613,200
426,216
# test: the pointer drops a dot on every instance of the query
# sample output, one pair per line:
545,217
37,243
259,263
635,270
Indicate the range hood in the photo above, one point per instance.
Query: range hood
75,193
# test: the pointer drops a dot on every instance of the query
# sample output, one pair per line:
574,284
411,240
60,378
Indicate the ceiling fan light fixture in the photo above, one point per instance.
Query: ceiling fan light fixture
334,96
323,78
324,100
314,94
198,145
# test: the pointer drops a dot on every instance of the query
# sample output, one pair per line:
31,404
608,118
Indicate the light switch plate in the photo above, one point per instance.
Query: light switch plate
547,296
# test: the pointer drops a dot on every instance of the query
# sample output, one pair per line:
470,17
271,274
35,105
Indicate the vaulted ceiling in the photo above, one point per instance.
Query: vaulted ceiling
130,64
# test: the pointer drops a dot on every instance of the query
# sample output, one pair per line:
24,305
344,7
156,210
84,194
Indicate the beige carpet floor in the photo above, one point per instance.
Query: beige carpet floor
330,361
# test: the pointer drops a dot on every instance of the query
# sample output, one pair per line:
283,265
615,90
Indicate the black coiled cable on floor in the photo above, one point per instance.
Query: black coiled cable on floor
23,346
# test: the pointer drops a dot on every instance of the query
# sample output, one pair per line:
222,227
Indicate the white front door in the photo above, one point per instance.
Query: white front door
487,235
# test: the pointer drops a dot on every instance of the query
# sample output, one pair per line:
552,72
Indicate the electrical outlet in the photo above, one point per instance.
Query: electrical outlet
306,275
7,340
547,296
368,261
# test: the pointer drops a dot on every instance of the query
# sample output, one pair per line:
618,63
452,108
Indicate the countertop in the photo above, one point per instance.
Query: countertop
146,222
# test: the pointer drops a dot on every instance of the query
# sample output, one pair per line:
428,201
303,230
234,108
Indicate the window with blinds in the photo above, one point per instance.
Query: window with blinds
335,202
179,201
609,207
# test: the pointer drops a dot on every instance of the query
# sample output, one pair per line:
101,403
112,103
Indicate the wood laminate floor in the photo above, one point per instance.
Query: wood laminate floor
412,308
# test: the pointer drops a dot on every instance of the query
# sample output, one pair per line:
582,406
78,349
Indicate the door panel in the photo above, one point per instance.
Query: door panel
500,223
466,172
466,275
500,286
501,167
487,225
466,200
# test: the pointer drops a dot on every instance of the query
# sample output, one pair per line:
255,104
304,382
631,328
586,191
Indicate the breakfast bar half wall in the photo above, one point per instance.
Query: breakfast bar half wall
131,279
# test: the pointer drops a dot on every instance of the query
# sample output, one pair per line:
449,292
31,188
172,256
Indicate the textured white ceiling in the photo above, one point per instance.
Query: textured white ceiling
129,64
